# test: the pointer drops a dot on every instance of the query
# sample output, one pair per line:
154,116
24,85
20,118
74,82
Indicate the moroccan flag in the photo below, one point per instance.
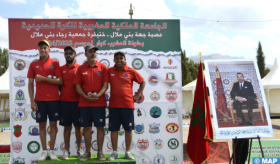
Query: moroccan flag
221,99
200,131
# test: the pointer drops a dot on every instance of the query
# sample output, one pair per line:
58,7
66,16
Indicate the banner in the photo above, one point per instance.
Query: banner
152,47
246,114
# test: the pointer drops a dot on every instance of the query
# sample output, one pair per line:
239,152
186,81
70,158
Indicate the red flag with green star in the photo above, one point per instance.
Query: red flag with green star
200,131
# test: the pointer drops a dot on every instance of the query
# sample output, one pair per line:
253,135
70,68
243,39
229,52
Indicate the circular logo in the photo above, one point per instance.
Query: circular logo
17,146
159,159
142,144
171,95
83,145
174,159
19,64
124,145
94,145
137,64
20,98
105,62
155,96
173,143
158,144
109,145
62,146
172,128
33,147
122,131
153,80
140,112
257,160
155,112
143,160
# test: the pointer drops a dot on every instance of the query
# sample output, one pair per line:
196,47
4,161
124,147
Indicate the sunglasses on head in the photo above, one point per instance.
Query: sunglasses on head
69,53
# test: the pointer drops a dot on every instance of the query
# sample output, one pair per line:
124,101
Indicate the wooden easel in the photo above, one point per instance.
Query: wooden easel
234,146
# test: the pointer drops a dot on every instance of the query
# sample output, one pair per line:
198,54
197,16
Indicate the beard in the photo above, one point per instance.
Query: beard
92,58
69,61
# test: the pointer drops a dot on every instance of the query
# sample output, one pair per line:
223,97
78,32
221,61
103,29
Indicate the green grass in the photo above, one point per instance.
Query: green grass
4,126
74,159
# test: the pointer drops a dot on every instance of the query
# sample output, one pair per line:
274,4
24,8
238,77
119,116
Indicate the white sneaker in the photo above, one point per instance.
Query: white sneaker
52,155
44,156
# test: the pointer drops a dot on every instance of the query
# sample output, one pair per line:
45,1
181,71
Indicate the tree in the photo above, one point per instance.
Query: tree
4,60
261,60
266,71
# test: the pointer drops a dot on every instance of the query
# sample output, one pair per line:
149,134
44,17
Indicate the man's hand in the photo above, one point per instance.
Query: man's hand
240,99
40,78
34,106
90,97
136,97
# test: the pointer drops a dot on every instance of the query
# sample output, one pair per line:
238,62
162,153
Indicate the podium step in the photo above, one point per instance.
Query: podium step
93,160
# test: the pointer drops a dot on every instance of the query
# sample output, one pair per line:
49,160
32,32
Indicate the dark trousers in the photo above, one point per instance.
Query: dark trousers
241,150
250,105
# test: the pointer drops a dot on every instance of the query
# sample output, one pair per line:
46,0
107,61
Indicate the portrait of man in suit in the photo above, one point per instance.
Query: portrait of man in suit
243,94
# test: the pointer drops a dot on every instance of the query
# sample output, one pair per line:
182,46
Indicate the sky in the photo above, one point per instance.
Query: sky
225,27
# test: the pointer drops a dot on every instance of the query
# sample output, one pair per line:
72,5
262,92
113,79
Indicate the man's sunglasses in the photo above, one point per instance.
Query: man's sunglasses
69,53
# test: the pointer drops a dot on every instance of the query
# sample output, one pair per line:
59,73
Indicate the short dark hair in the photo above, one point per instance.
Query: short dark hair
42,43
239,73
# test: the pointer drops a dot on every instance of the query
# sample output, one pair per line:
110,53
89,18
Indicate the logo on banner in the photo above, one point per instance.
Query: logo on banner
124,145
33,115
139,128
155,96
170,79
19,81
107,96
137,64
142,144
62,146
105,62
20,114
83,145
19,64
154,128
172,112
17,131
33,130
121,132
33,147
107,112
154,63
171,95
49,130
155,112
172,128
140,112
153,80
141,98
158,144
20,98
94,145
106,129
173,143
17,146
18,160
143,160
159,159
49,146
170,61
34,160
174,159
109,146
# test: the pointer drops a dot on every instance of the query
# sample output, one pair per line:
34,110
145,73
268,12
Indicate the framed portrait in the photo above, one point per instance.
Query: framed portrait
237,97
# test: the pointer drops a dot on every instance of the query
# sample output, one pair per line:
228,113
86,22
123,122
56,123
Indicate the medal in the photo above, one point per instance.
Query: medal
89,93
94,93
49,76
54,77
